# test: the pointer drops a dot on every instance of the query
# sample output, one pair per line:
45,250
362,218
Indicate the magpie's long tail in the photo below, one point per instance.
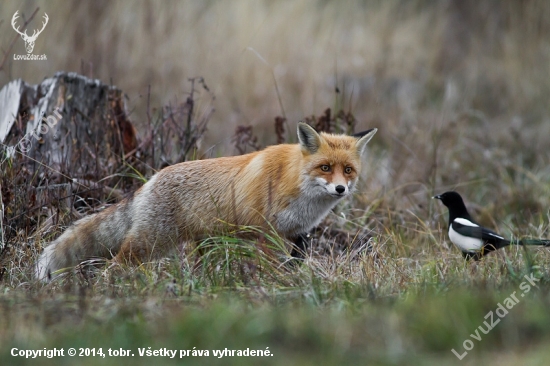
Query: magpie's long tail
538,242
543,242
504,243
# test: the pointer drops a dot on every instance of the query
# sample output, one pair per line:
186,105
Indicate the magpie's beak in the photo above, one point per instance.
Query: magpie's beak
437,197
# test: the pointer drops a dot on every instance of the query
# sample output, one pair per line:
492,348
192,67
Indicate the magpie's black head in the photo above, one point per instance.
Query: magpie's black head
450,199
455,204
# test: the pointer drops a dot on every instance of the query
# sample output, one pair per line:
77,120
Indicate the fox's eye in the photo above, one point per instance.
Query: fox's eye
348,170
325,168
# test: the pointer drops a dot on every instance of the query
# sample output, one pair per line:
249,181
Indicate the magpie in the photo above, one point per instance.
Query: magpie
471,238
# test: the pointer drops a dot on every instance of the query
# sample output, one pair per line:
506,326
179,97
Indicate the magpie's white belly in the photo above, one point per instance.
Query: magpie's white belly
465,243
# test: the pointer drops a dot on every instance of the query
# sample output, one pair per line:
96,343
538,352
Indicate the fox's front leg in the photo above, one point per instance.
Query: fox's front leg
300,244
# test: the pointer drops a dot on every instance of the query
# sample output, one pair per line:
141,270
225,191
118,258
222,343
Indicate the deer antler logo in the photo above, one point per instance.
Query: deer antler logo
29,41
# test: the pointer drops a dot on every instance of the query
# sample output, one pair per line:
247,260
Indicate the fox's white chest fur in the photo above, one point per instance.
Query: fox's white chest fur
316,200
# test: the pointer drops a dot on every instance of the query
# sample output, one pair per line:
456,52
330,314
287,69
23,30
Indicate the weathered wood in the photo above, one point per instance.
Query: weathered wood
64,143
66,119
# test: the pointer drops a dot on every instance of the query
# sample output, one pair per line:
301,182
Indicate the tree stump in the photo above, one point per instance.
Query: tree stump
65,141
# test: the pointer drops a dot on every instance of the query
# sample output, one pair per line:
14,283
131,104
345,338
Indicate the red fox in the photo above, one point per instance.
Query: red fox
290,186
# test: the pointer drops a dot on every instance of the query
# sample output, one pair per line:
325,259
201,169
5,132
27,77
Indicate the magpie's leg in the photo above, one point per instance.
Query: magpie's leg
469,255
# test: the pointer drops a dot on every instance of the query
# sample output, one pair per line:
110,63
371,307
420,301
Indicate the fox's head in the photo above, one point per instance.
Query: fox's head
332,162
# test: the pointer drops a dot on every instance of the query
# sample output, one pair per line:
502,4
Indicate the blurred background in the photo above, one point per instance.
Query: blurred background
458,89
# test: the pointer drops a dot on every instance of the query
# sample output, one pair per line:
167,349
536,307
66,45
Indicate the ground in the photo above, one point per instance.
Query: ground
459,93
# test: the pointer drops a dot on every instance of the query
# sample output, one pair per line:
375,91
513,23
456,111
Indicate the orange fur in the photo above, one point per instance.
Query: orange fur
283,186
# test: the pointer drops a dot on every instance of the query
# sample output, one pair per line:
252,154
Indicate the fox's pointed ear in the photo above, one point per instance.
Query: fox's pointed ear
361,134
308,137
364,138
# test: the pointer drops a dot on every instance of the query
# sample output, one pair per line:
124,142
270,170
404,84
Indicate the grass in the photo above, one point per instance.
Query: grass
314,313
459,95
389,305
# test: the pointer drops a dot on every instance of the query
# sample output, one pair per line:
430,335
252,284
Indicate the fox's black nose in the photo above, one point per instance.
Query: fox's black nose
340,189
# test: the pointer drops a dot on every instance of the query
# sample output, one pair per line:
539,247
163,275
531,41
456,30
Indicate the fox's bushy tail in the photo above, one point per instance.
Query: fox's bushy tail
98,235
